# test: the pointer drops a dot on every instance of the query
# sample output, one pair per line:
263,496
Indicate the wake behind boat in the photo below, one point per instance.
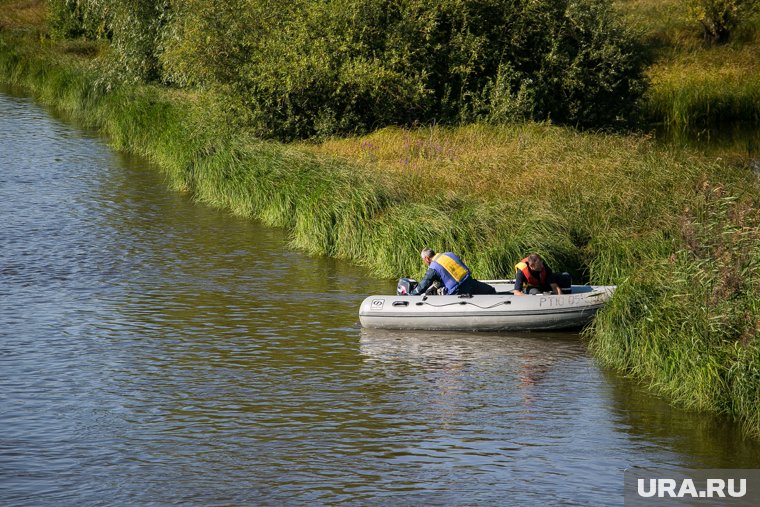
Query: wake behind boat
502,311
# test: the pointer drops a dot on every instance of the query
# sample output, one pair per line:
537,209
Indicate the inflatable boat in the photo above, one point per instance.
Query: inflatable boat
502,311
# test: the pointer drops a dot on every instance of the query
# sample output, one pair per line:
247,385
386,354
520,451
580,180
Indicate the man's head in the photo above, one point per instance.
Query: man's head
535,263
427,255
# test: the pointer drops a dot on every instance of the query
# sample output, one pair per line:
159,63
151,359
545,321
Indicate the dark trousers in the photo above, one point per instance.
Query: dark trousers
472,286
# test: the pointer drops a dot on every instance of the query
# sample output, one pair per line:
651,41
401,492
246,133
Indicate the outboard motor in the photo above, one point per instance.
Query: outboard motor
405,286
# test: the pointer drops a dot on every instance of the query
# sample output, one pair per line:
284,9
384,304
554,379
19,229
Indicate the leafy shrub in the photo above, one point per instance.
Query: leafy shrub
137,27
311,68
303,68
719,18
71,19
575,63
134,28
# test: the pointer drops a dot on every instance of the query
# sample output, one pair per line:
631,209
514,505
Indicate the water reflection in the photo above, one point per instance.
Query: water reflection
528,358
531,397
679,438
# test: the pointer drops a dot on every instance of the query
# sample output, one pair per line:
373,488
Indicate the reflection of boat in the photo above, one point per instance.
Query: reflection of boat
443,347
497,312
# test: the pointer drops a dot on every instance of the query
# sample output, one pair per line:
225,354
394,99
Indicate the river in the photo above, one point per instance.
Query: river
154,351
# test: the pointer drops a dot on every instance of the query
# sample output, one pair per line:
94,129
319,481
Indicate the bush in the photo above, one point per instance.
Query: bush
71,19
719,18
137,27
309,69
574,64
134,28
316,68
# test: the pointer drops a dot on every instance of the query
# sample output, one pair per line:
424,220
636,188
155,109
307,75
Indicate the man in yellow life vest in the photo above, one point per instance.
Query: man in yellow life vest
449,270
534,277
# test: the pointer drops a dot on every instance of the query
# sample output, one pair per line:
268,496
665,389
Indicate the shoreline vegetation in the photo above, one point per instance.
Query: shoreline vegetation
677,231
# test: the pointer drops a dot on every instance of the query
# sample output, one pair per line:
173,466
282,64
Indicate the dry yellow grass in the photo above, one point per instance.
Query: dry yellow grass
19,14
528,161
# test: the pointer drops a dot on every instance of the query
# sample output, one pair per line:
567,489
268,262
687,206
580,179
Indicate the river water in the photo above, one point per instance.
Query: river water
154,351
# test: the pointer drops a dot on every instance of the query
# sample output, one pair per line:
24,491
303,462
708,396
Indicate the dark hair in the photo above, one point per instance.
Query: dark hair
533,259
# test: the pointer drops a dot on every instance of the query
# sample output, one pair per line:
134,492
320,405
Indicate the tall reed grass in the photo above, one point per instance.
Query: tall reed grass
610,201
689,95
689,324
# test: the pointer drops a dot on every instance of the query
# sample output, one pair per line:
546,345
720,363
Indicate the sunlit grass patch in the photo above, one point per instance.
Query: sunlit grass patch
663,23
23,15
717,88
695,84
526,161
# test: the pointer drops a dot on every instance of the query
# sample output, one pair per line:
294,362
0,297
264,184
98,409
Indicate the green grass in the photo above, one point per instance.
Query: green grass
691,94
689,324
694,84
608,202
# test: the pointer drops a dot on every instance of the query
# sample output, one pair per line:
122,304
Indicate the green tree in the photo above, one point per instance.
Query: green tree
719,18
137,29
305,68
71,19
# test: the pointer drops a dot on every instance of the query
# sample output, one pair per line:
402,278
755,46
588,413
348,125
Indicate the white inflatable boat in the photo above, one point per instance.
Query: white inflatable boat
502,311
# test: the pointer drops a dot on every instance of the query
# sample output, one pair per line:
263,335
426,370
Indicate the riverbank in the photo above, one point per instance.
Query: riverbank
695,84
671,228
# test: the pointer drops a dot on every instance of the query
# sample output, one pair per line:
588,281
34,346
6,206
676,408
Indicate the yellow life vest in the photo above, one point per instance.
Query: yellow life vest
455,267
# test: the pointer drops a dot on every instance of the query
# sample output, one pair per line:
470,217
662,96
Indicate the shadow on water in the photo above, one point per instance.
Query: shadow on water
739,146
701,441
531,354
525,358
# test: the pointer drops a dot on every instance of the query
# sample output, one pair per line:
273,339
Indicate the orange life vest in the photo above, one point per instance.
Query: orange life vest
530,279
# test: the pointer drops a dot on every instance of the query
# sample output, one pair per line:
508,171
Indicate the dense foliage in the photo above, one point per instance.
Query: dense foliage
719,18
306,68
134,28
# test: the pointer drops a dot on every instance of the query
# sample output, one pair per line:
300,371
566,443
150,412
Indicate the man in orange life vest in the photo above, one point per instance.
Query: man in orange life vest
449,269
534,277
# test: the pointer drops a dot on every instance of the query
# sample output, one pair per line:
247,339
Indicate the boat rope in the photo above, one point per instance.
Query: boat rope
419,303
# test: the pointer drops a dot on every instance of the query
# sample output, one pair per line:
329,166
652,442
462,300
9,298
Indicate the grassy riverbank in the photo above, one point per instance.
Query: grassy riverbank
695,84
676,231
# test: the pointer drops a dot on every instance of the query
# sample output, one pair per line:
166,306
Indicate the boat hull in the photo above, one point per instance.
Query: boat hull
499,312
